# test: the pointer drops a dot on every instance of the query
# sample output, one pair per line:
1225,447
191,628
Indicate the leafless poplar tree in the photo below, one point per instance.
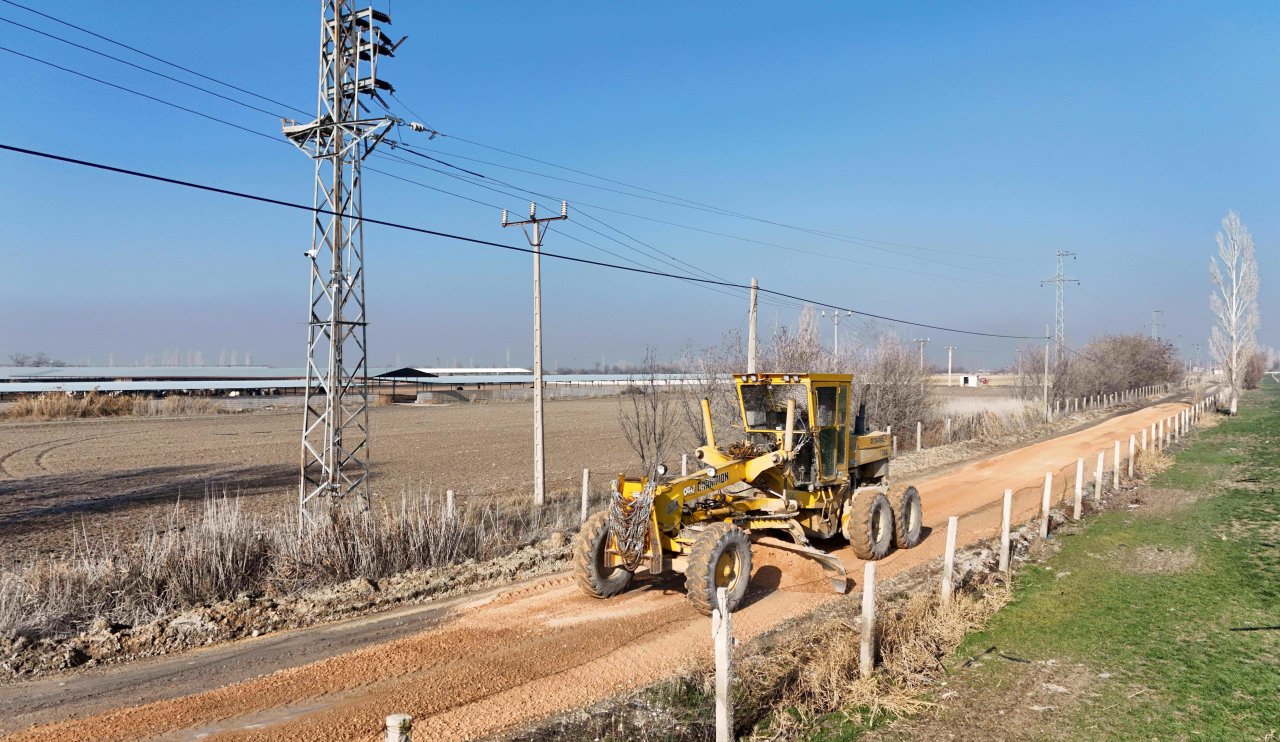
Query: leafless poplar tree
1234,302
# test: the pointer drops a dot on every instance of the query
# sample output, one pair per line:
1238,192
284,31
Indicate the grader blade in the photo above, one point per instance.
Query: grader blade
830,564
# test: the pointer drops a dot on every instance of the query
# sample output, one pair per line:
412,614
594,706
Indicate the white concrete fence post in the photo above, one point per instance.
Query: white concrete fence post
1006,516
1044,505
399,728
949,559
1115,462
948,432
1097,478
895,445
867,655
449,509
1133,450
1144,439
684,464
919,433
586,493
1076,505
722,635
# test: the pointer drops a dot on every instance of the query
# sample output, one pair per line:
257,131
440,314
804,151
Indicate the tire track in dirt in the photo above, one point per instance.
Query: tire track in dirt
43,455
4,459
545,648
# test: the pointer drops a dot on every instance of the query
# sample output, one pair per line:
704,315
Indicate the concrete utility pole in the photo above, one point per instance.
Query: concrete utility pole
835,320
921,341
949,349
535,229
1059,326
751,327
1155,323
335,430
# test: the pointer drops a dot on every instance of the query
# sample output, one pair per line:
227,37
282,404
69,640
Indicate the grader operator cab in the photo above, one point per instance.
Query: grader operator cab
806,469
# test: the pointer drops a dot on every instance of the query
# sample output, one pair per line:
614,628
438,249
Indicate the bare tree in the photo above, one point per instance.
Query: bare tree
1234,302
1114,363
1254,370
647,416
898,391
709,375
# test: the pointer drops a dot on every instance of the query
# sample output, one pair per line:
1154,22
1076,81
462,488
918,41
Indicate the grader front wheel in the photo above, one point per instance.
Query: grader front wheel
719,557
591,569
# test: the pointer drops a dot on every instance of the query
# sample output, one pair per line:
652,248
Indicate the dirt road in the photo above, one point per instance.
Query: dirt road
542,647
115,474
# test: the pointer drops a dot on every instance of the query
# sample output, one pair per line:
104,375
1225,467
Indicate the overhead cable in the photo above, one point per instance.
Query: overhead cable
476,241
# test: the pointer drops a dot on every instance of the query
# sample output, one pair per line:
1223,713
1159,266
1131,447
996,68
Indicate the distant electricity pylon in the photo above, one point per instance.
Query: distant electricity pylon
1155,323
335,432
535,229
1059,324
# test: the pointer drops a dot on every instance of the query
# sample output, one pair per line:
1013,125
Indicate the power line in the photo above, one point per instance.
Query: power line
140,67
739,238
412,150
487,243
721,210
694,205
689,203
229,123
148,55
139,93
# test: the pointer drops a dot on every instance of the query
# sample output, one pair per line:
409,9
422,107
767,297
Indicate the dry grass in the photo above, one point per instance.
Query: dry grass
64,406
59,405
914,641
1150,462
174,406
219,552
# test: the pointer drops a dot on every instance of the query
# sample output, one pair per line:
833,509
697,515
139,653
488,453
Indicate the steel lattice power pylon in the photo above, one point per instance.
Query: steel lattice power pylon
1059,323
335,432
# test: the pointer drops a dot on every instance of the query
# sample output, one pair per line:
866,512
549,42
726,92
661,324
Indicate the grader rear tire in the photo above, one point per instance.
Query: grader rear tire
720,557
908,518
590,568
868,524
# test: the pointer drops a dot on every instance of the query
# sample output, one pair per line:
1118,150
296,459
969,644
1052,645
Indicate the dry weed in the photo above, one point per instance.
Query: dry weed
62,406
59,405
824,675
219,552
1150,462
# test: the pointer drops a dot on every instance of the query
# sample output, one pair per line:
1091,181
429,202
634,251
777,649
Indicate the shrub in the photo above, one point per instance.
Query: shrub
219,551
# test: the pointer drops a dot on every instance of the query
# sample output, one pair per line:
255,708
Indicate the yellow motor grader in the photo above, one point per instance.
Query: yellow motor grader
805,470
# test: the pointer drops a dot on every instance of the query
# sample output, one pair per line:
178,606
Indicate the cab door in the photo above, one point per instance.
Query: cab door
830,421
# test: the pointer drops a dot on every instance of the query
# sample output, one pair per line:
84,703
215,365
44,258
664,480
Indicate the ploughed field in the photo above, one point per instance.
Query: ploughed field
66,479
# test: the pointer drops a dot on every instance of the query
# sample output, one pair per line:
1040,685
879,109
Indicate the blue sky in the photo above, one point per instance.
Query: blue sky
983,137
